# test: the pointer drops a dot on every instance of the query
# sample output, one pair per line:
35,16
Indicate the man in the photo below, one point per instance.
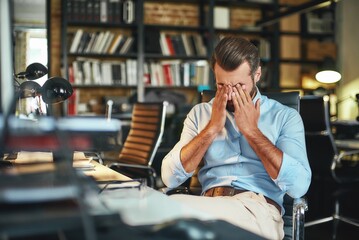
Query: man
253,147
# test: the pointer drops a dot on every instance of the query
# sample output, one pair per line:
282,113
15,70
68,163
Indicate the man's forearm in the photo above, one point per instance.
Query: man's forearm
192,154
268,153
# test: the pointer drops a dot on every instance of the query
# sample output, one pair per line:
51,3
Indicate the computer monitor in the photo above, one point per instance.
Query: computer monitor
6,57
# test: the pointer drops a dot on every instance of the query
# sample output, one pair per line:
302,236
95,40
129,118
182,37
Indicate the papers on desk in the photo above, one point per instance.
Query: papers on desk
84,165
24,157
125,184
80,161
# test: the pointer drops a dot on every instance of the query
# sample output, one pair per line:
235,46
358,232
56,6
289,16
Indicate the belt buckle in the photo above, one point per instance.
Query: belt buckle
231,192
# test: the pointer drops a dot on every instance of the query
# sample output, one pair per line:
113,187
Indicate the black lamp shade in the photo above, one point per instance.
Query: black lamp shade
328,72
29,89
56,90
33,71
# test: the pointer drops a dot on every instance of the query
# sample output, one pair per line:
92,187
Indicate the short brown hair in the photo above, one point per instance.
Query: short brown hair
232,51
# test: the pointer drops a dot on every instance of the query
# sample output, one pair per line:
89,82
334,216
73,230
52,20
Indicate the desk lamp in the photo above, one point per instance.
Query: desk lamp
328,72
54,90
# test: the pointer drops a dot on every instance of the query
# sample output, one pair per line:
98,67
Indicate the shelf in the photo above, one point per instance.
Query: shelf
308,35
176,28
301,61
101,24
259,32
98,55
150,32
180,57
243,3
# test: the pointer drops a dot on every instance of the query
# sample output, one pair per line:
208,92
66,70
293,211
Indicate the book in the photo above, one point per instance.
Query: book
128,11
115,11
152,41
170,45
91,42
87,72
116,41
76,40
97,42
103,11
96,10
96,72
221,17
108,43
120,45
102,43
89,11
163,43
77,71
178,45
126,46
85,39
186,44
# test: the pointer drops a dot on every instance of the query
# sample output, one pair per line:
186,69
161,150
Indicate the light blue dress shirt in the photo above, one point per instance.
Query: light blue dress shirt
230,161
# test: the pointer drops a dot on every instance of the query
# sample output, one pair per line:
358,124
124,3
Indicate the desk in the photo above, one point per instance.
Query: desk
139,210
31,162
137,207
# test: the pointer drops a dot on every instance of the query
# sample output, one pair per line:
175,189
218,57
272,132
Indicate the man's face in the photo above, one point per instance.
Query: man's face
240,76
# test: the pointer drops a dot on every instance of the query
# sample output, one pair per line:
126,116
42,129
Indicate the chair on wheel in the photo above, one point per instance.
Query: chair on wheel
141,144
294,208
325,160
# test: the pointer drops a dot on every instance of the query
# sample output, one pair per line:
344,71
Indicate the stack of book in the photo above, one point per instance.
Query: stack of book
102,42
111,11
175,44
89,71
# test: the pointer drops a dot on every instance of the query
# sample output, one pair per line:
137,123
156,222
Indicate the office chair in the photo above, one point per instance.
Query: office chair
294,208
325,159
141,144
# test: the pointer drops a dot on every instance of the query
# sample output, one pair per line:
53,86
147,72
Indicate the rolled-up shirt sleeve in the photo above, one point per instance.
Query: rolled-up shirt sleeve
172,172
295,174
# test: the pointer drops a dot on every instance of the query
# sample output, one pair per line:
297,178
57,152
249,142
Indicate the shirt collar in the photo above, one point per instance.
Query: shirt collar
257,96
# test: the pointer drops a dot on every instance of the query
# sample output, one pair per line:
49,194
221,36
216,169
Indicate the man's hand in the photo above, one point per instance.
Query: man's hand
192,153
219,113
246,113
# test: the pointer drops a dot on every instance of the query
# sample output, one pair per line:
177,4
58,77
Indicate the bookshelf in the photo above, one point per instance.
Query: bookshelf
171,44
305,40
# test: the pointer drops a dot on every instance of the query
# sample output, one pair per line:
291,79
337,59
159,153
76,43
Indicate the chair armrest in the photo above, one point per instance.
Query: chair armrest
337,160
151,171
95,156
300,205
117,164
177,190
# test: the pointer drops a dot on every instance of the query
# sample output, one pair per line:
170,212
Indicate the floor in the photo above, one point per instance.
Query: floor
321,205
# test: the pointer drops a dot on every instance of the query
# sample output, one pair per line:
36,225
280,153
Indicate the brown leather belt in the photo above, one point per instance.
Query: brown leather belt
230,191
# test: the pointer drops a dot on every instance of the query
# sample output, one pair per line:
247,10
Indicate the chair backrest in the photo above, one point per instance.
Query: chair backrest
145,135
320,143
290,99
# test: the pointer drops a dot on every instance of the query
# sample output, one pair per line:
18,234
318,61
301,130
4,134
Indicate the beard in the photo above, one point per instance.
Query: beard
230,105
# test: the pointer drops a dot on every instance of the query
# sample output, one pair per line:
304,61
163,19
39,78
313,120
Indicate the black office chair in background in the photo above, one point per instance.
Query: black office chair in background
294,208
139,149
328,171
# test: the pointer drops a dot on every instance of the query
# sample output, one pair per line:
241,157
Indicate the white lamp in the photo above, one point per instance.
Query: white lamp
328,72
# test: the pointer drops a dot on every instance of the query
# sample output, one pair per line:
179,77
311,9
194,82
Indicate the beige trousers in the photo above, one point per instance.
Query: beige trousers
247,210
